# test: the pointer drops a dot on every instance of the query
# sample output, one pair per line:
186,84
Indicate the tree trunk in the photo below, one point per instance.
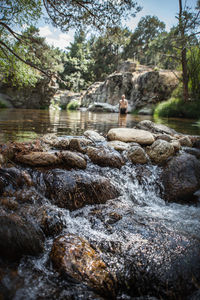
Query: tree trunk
185,77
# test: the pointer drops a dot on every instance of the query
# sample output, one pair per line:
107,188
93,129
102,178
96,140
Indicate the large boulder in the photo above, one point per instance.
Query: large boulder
142,86
18,238
73,190
103,107
73,256
160,151
141,137
181,178
155,128
105,157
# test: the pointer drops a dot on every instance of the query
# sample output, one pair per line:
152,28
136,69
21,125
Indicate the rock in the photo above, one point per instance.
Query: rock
13,179
118,145
146,111
79,144
39,159
185,141
142,86
73,160
160,151
196,144
51,220
54,141
73,190
193,151
164,137
105,157
137,155
141,137
103,107
155,128
176,145
94,136
18,238
181,178
73,256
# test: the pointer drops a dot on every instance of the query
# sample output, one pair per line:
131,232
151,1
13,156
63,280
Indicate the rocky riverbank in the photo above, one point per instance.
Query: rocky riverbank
105,217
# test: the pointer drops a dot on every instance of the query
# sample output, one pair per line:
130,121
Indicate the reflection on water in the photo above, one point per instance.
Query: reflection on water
27,124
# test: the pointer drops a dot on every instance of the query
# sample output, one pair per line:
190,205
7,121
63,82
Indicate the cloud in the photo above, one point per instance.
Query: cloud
56,38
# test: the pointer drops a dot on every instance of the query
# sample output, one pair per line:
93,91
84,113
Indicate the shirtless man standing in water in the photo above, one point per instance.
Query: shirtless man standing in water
123,105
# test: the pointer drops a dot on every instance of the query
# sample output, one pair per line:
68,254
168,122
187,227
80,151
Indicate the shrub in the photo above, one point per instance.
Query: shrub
73,105
175,107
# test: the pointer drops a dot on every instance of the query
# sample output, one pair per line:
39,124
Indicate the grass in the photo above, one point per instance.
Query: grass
175,107
73,105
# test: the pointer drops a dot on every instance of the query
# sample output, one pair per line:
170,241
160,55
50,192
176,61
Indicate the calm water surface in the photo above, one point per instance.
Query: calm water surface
27,124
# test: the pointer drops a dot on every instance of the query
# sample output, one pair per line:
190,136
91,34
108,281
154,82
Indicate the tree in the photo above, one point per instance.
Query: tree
148,28
183,37
64,14
106,51
77,72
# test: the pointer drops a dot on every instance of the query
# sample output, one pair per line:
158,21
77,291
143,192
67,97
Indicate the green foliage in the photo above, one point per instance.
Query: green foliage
77,64
73,105
194,72
148,29
176,107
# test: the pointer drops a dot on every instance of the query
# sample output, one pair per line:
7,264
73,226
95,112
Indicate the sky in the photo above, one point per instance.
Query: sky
165,10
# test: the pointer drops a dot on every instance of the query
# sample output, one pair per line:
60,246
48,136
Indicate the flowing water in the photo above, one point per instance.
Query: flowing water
143,221
26,124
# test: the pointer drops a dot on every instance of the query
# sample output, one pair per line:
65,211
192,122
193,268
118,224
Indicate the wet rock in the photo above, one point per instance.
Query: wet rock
160,151
79,144
94,136
18,238
9,203
73,160
185,141
196,143
51,220
193,151
39,159
73,190
118,145
105,157
137,155
181,178
12,179
155,128
73,256
103,107
141,137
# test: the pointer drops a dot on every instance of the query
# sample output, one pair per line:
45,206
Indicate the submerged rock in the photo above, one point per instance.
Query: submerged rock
141,137
18,238
73,190
105,157
160,151
73,256
181,178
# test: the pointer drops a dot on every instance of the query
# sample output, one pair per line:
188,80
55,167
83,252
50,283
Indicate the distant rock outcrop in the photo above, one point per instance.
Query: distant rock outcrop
142,86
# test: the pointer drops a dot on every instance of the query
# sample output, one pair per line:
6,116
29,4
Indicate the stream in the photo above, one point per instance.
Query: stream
151,246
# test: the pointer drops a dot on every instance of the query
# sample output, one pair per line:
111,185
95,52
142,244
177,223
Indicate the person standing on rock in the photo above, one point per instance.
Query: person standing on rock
123,105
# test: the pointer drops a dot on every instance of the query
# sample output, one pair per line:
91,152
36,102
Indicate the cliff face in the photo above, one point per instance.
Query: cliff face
141,85
39,96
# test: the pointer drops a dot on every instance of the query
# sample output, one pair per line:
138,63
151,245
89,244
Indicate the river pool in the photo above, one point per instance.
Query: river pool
28,124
